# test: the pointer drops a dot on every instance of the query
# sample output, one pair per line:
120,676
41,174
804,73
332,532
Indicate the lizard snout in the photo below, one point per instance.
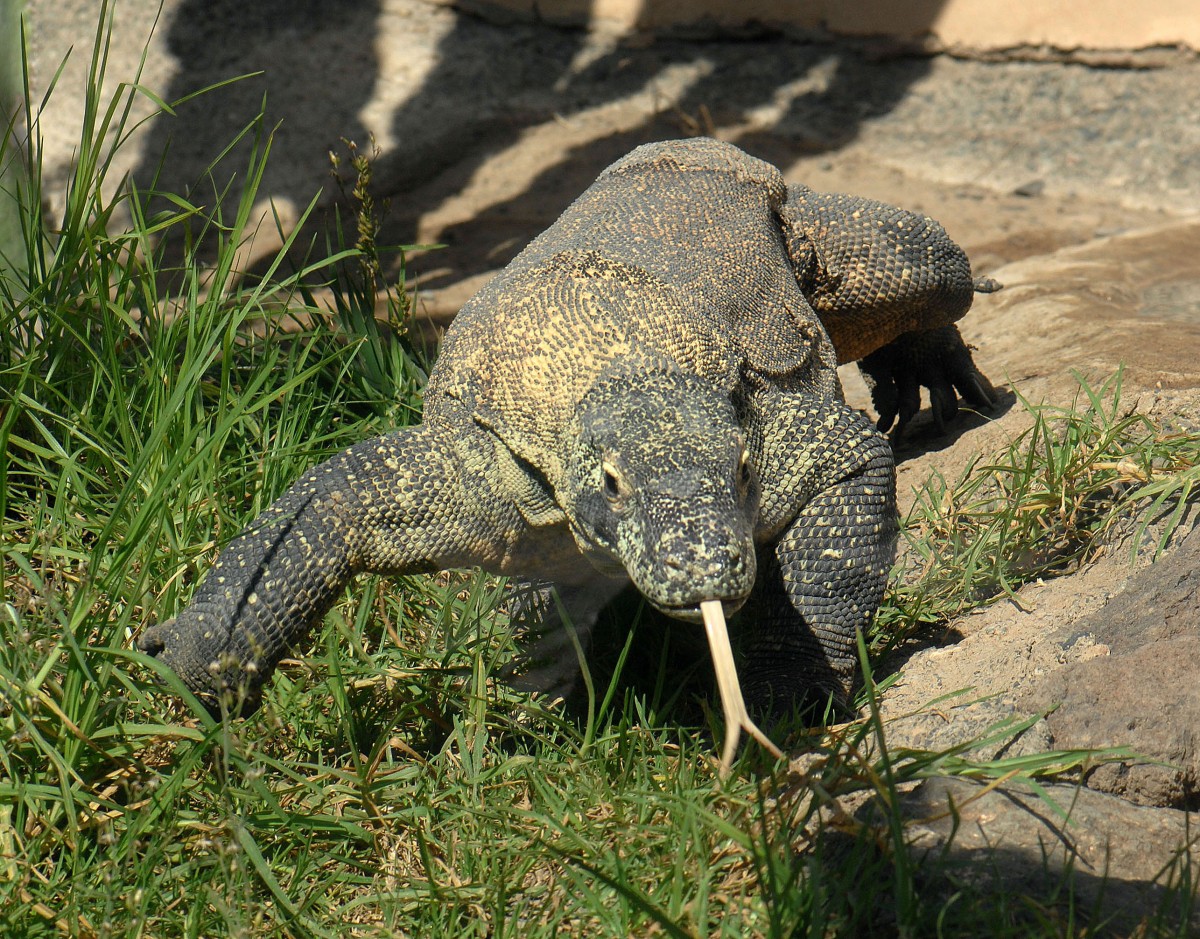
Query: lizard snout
720,565
725,557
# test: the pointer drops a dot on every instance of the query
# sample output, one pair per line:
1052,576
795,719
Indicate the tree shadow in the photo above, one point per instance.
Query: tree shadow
490,84
778,99
307,66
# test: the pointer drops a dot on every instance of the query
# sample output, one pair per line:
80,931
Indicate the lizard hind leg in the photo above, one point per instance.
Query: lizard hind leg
888,286
937,359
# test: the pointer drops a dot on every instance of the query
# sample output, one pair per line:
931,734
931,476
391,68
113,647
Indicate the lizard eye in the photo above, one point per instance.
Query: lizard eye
614,483
745,471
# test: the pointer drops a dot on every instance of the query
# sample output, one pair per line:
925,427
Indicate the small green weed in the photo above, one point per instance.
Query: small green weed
1055,495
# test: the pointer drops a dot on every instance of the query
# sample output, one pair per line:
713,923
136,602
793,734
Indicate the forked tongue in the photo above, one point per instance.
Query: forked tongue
736,718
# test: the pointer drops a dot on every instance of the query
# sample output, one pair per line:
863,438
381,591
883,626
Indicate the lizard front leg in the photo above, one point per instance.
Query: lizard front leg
829,562
398,504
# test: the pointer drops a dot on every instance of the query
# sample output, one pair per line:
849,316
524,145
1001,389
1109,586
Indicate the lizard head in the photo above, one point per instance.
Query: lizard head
661,486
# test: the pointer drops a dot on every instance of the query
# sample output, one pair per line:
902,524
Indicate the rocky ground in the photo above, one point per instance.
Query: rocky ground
1076,187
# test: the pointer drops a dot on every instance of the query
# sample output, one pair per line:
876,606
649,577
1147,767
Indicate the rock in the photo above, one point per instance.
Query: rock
1093,855
980,721
1109,674
1143,694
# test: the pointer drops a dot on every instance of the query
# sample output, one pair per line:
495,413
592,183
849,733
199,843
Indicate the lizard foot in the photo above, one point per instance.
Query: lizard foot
936,359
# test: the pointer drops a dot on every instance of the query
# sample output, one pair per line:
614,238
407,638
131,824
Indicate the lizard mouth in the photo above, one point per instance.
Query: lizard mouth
692,613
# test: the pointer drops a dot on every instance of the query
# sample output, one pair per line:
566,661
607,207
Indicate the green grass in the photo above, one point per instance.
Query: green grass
1081,477
14,174
391,785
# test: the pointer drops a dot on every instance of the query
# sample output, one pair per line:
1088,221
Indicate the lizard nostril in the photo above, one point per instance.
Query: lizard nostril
674,562
724,558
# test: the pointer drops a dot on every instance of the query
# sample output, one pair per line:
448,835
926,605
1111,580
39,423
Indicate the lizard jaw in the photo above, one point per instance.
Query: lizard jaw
736,718
694,612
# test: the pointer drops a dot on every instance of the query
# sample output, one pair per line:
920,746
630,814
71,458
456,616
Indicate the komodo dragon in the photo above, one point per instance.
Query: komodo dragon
648,393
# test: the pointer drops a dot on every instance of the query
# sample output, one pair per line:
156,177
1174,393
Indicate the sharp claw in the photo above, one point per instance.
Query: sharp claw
910,404
978,394
943,402
885,398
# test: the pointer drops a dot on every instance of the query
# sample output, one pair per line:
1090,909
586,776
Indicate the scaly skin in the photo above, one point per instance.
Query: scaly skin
399,503
646,395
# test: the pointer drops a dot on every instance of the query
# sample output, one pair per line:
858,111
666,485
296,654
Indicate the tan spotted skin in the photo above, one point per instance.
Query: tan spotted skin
647,395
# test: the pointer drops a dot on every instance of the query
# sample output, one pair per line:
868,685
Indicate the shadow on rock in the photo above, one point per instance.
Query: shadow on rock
321,70
924,436
1015,859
